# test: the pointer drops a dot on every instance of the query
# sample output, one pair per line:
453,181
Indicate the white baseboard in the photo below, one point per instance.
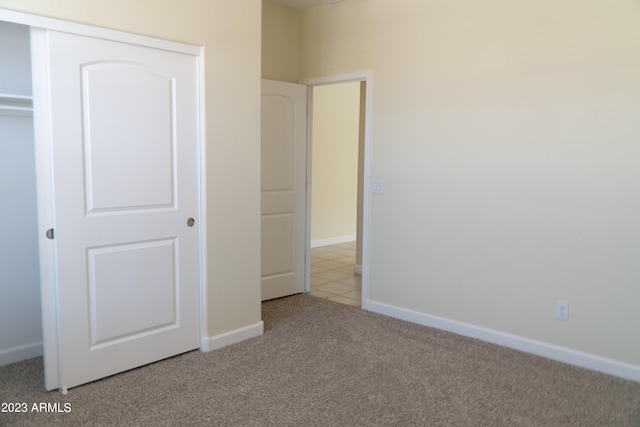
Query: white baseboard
539,348
21,352
232,337
333,241
357,268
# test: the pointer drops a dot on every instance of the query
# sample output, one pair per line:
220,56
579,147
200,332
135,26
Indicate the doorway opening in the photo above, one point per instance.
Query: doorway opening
337,202
335,167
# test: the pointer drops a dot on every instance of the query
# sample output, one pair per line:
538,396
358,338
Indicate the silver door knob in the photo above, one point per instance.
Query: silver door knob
190,222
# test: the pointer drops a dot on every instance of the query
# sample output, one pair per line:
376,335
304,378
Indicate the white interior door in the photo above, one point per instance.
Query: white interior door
284,168
123,138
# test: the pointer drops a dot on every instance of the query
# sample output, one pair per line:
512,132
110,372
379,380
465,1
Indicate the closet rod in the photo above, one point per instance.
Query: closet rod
16,105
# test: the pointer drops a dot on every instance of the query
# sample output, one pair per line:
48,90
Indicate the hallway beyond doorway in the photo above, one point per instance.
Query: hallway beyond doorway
332,274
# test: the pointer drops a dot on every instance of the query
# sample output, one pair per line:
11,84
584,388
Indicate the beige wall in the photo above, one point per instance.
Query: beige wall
334,182
230,30
280,43
507,136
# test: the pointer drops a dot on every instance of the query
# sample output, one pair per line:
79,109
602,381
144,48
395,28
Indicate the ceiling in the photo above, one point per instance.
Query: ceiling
302,4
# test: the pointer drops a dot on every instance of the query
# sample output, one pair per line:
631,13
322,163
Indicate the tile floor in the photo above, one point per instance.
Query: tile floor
332,275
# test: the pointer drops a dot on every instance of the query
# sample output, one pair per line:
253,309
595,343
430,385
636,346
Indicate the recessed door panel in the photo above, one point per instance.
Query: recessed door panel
278,244
144,298
142,103
278,143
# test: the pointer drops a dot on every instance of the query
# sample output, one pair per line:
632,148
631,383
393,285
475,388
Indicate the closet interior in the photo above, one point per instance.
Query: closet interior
20,311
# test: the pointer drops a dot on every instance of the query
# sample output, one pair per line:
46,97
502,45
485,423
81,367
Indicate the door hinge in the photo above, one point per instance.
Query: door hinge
49,233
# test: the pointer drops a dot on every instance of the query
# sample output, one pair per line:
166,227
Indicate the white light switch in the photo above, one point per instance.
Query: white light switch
377,186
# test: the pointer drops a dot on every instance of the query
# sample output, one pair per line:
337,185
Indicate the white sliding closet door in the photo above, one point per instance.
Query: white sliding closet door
120,124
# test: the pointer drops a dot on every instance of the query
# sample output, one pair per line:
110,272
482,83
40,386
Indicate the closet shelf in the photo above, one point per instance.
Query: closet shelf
16,105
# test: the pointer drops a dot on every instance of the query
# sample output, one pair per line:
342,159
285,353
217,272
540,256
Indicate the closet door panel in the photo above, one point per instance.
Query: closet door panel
124,149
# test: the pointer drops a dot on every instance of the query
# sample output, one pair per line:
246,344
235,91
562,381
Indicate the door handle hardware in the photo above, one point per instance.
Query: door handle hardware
190,222
49,234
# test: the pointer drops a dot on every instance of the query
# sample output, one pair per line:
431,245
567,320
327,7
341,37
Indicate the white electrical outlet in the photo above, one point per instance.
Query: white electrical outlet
562,310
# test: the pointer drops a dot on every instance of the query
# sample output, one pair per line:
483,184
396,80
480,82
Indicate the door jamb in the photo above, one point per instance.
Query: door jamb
359,76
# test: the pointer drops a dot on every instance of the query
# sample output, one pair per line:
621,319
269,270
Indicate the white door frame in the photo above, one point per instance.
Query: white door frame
358,76
45,199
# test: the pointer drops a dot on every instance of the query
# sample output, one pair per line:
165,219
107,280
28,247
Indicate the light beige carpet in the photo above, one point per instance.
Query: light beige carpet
321,363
